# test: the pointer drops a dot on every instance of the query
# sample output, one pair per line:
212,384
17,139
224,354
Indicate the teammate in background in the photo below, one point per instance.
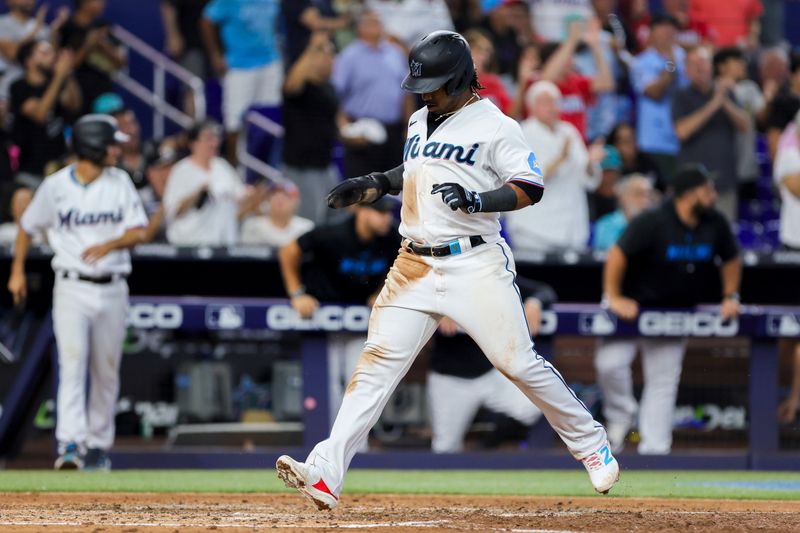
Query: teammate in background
461,380
452,263
666,258
346,263
92,215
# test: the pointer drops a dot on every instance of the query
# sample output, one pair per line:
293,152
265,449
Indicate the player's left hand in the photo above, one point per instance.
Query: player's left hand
730,308
457,197
94,253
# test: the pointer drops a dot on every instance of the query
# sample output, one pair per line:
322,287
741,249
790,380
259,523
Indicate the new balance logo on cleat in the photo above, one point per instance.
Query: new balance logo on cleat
603,469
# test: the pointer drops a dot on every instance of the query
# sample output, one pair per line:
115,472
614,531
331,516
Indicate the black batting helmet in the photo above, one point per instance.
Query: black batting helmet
440,59
92,135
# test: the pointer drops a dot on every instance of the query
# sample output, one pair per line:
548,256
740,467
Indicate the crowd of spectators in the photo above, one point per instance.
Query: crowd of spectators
612,97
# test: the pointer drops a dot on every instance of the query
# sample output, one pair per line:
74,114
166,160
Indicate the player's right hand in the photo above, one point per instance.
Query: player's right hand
18,287
625,308
360,190
305,305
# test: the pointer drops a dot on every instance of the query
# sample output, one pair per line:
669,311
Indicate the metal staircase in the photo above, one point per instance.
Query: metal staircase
155,97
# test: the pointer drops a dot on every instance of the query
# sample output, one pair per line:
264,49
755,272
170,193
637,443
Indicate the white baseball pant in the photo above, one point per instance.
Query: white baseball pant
244,88
453,402
89,322
662,360
476,289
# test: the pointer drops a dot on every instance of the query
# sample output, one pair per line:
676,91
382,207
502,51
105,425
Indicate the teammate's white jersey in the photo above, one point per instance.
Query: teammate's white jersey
477,147
78,216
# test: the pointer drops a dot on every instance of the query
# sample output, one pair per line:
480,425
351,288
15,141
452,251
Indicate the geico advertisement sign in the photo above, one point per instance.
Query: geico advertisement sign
676,323
160,316
326,318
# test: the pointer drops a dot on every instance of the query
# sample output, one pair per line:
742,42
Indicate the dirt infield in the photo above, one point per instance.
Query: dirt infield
130,513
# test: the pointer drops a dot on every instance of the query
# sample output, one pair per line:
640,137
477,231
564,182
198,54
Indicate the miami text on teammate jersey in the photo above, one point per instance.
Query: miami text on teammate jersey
75,217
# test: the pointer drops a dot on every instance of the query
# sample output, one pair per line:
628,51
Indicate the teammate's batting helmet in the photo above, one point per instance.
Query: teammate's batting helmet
92,135
440,59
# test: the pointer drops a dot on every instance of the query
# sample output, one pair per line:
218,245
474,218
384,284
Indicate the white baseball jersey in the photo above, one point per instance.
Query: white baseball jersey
477,147
78,216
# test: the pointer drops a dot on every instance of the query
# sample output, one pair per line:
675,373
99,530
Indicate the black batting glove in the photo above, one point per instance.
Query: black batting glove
360,190
457,197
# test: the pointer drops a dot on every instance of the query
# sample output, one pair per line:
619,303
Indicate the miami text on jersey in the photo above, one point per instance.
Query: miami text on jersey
437,150
73,217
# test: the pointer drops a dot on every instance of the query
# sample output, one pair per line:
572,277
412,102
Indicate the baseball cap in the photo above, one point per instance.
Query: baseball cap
664,18
384,205
108,104
690,176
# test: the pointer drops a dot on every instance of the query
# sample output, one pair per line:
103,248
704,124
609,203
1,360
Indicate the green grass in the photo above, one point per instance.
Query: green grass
677,484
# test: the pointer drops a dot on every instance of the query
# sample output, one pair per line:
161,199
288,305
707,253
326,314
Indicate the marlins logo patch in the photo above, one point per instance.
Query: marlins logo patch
416,69
534,164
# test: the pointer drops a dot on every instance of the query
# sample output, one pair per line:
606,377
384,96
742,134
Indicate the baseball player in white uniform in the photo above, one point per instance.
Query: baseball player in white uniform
453,263
92,215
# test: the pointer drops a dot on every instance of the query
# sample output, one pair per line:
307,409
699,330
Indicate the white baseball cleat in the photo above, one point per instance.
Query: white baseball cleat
304,478
603,469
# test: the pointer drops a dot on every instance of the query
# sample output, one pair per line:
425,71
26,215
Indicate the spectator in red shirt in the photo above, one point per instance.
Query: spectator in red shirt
577,91
483,58
733,22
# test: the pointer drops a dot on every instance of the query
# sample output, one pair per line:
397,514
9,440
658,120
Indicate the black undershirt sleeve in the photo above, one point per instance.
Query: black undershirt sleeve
498,200
534,192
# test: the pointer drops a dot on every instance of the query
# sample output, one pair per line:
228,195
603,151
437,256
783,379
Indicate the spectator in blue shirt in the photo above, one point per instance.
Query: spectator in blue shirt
367,76
657,74
250,68
634,195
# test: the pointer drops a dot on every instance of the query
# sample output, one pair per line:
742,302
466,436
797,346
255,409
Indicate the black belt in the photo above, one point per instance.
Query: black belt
100,280
451,248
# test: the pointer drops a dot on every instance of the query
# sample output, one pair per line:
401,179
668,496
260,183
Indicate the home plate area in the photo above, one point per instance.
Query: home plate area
150,512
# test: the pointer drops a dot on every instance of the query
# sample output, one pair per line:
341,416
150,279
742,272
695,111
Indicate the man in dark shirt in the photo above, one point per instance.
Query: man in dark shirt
461,380
667,257
304,17
346,262
42,103
706,118
310,105
97,55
